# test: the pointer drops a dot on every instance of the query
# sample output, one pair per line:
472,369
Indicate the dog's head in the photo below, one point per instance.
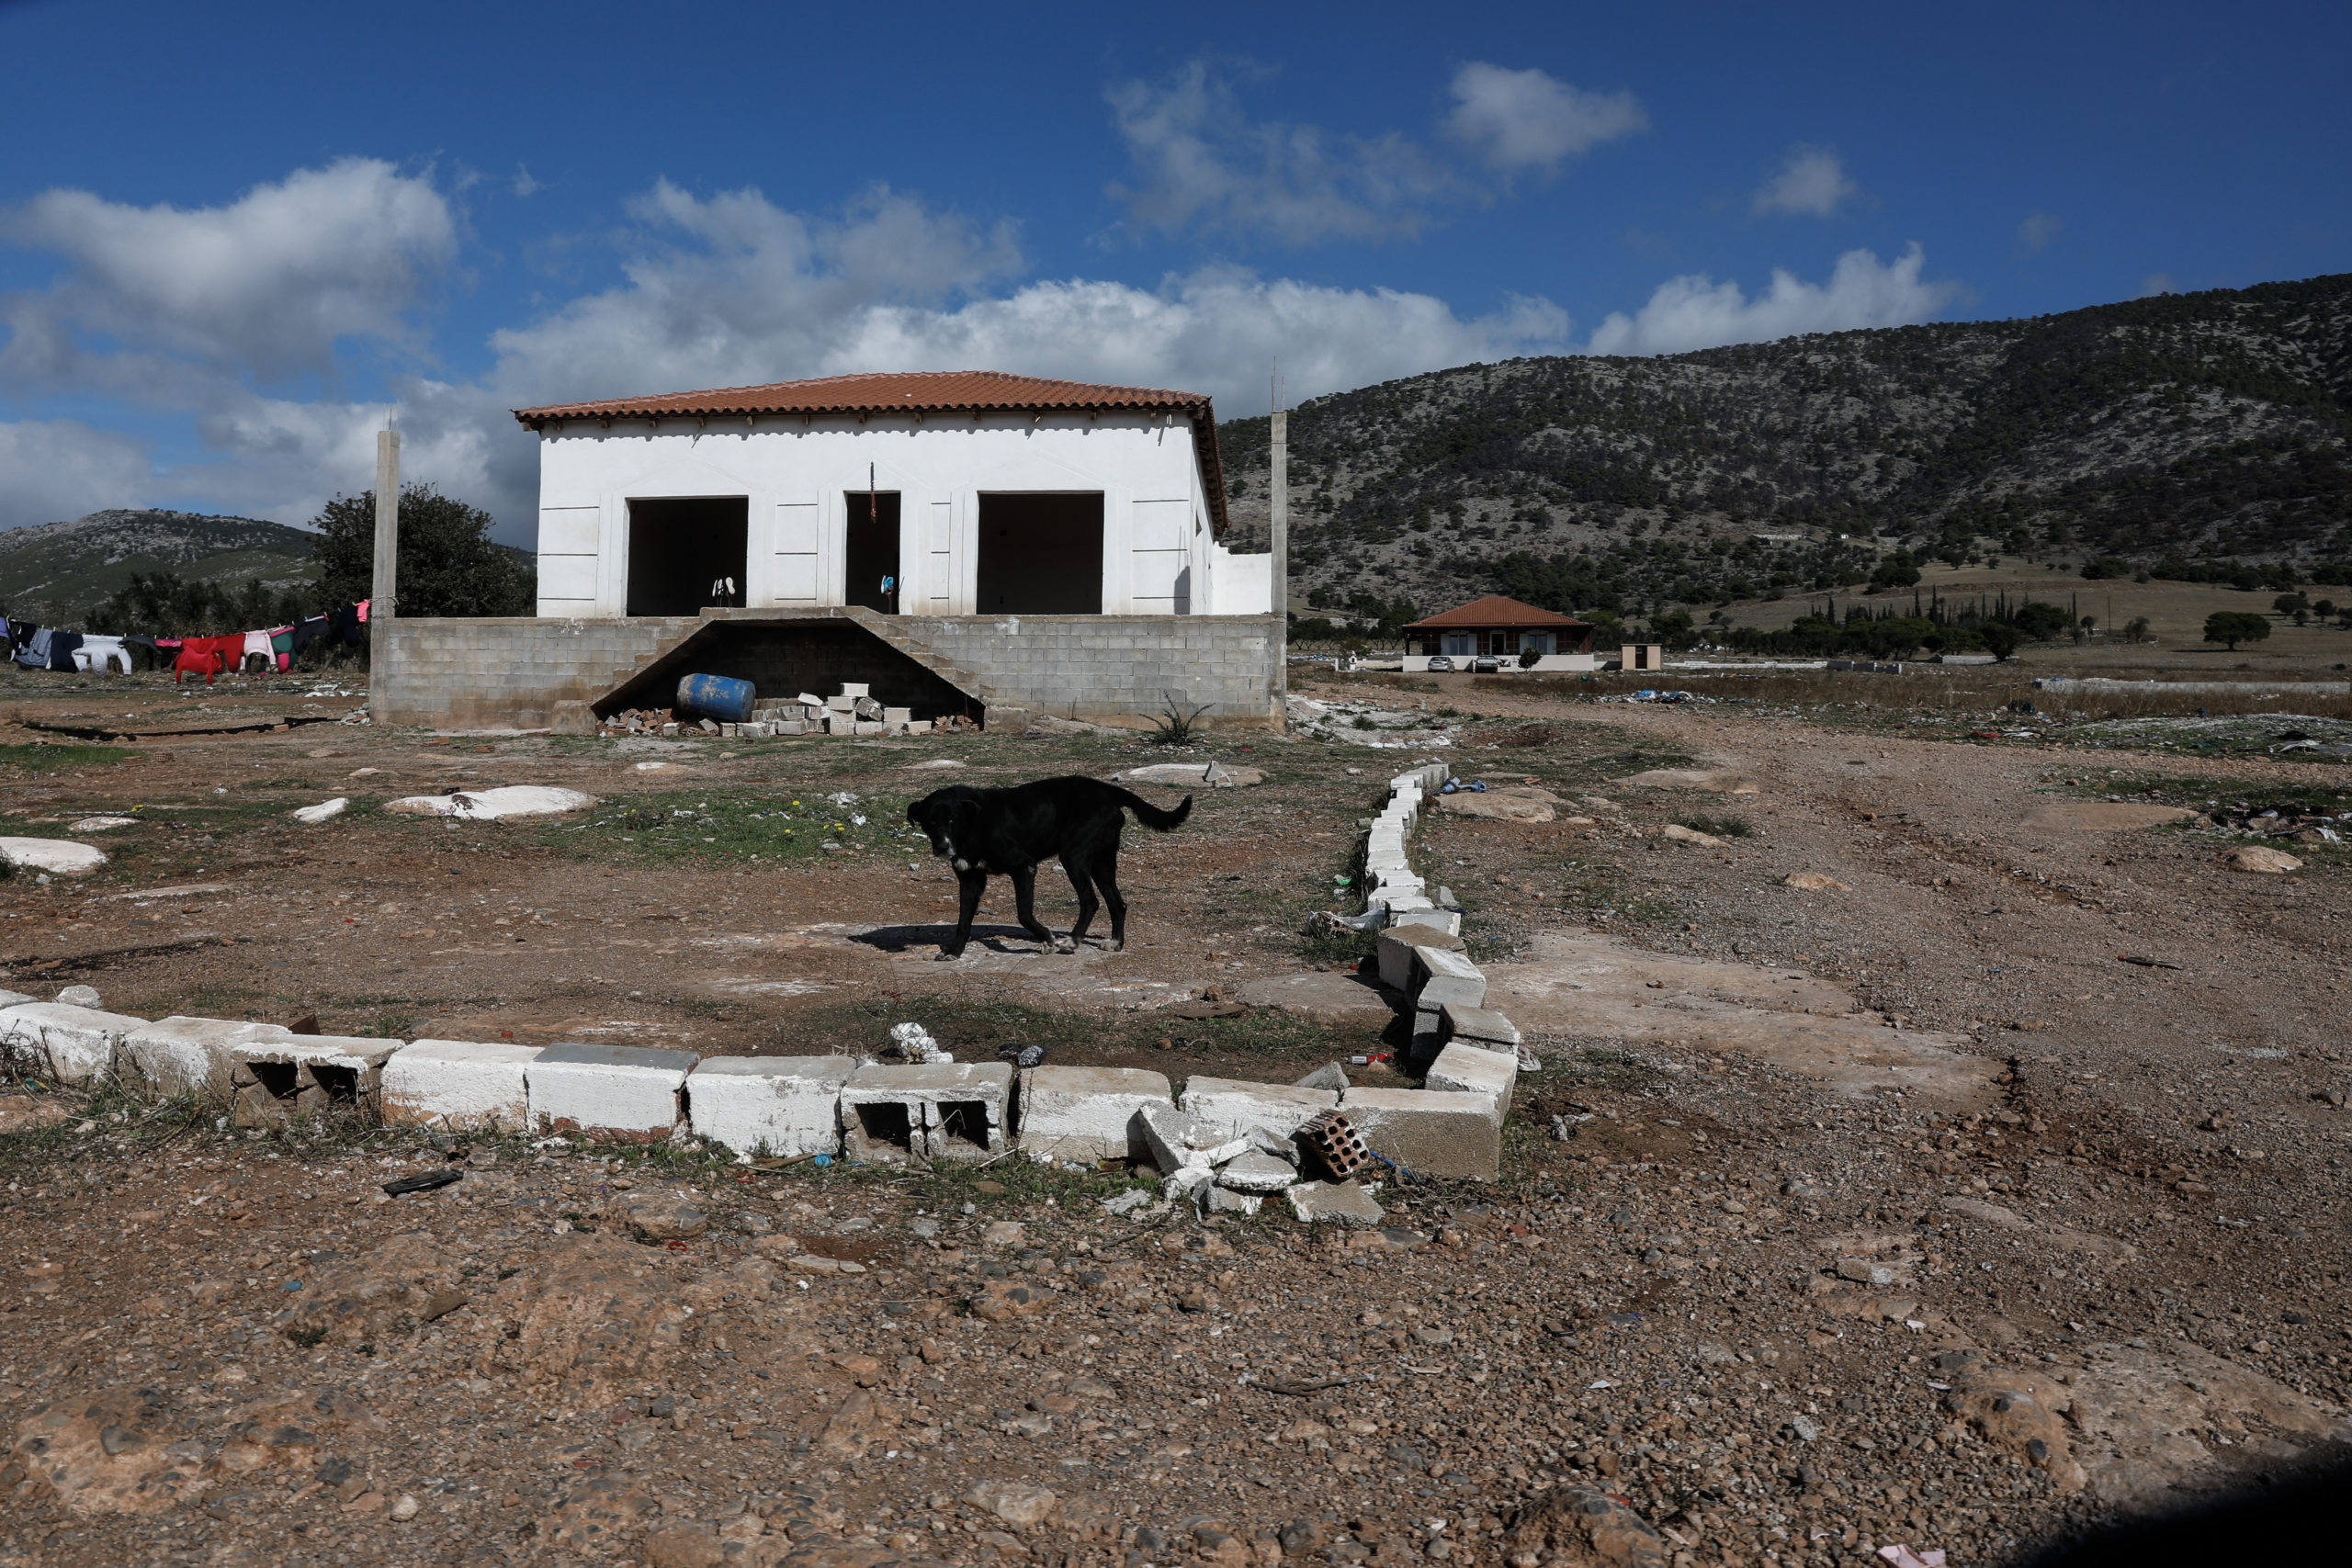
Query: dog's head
947,817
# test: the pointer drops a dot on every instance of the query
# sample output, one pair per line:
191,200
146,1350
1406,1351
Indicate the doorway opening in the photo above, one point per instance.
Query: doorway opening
871,558
1041,555
684,554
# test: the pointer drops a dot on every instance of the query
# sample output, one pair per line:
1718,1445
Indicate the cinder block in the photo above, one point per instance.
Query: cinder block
70,1044
1442,975
1088,1113
459,1084
1482,1027
180,1055
779,1106
953,1111
1396,947
306,1075
1447,920
1230,1109
627,1091
1430,1132
1472,1069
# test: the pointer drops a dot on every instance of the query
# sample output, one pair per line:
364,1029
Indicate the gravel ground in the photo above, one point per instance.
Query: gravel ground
1748,1306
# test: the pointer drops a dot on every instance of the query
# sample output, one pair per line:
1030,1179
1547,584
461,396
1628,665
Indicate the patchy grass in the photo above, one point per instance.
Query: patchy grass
49,757
709,823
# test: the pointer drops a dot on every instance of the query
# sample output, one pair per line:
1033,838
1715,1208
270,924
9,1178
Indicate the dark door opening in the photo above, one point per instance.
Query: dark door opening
685,554
871,559
1041,555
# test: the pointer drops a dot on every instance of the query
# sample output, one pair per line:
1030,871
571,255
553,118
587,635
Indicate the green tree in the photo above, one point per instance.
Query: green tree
2000,638
448,565
1897,571
2234,626
2040,621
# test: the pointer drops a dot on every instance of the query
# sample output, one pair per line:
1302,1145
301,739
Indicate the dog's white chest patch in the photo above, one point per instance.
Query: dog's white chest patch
963,864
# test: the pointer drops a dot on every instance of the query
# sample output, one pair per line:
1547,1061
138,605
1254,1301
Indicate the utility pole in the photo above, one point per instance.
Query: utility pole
388,561
1278,508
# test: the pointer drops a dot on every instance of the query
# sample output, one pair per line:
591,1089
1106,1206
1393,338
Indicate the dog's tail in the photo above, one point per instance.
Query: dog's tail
1153,817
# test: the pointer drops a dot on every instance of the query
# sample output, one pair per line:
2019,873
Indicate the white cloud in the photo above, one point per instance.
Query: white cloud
743,292
2038,229
523,184
54,469
267,285
1529,119
1812,182
1203,163
2156,283
1695,312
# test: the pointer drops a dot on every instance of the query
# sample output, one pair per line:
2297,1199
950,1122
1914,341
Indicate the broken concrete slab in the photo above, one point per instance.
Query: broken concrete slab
1219,1200
771,1106
179,1055
64,1042
1483,1027
1471,1069
492,804
1256,1172
1229,1108
1330,1075
273,1080
611,1092
1335,1203
1088,1113
1599,988
1395,948
1441,975
1171,1140
953,1111
1447,920
59,857
1434,1132
459,1084
1498,805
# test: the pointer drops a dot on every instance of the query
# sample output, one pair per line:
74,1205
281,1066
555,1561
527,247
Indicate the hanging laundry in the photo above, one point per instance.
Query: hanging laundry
34,655
101,654
61,651
308,632
259,643
345,623
281,644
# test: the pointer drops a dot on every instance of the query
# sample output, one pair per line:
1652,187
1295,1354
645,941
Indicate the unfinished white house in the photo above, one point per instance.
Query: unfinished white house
964,541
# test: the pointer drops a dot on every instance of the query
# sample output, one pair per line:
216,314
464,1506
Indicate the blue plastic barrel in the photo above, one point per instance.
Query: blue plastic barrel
721,697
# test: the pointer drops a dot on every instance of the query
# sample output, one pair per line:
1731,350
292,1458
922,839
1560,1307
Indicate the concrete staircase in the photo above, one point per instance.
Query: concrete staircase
672,648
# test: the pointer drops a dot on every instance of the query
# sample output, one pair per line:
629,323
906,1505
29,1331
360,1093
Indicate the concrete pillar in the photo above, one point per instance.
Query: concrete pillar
388,547
1277,496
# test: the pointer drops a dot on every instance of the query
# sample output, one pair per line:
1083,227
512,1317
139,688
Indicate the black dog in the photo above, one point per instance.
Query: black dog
1009,831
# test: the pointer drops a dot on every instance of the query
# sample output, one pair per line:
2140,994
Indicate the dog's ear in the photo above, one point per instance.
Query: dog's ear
962,814
917,810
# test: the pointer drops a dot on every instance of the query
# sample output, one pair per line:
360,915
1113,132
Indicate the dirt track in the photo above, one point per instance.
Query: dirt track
2088,1253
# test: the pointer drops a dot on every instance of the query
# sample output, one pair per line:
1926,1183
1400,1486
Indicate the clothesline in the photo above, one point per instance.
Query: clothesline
52,648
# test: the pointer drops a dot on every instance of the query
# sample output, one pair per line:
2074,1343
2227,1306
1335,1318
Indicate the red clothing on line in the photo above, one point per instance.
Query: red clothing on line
207,656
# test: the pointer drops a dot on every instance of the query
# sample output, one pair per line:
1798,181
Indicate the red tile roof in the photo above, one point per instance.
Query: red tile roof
1494,612
911,391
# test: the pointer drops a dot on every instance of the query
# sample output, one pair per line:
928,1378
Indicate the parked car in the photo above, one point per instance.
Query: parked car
1439,664
1486,667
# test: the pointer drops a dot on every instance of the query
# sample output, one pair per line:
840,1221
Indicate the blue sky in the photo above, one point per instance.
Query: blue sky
230,235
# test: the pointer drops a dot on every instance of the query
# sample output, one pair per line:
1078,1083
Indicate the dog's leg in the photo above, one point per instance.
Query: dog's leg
1087,902
1106,877
969,885
1024,909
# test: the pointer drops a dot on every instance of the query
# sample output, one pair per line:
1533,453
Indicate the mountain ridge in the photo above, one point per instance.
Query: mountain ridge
53,571
2181,427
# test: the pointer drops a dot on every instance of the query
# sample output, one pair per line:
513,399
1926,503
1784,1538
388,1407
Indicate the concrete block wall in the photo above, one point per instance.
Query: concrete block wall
512,671
505,672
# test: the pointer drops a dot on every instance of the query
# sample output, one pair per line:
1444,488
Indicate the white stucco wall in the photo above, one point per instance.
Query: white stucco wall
1159,557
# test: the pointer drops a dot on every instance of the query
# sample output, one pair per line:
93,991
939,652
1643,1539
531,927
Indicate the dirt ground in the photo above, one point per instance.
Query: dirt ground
1991,1187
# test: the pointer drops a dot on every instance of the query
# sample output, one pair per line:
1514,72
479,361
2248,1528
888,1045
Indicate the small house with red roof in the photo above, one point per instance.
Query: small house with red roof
1500,628
967,544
